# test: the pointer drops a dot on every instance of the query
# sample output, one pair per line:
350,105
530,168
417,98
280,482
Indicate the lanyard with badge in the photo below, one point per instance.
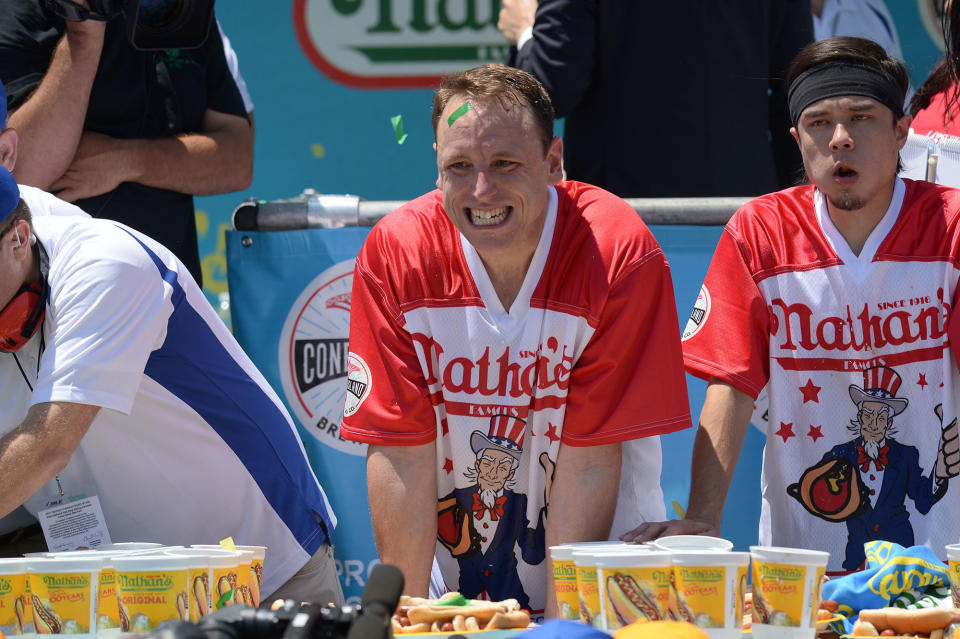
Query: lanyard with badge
68,521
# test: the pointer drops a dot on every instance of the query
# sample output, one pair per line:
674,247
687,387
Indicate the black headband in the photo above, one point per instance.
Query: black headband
833,79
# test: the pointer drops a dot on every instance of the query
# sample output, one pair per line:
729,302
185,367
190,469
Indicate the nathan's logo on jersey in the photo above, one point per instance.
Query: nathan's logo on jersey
358,384
498,372
313,356
699,314
875,325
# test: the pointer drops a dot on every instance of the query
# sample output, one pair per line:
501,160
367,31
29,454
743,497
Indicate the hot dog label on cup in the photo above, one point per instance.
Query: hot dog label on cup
631,594
224,587
14,604
108,610
565,582
778,594
702,591
150,598
741,596
255,581
62,602
589,595
815,598
955,582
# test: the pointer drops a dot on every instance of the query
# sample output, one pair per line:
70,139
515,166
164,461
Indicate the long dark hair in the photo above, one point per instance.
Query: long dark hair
944,78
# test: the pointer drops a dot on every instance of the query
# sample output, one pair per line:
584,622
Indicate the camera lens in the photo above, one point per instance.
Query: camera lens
160,14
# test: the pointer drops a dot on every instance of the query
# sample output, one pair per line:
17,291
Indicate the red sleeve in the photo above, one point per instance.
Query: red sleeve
394,407
728,334
629,381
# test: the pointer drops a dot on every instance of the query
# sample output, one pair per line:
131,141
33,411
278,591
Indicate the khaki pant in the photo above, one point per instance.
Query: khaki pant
316,582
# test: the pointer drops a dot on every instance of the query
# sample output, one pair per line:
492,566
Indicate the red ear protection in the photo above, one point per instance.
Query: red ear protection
23,314
21,317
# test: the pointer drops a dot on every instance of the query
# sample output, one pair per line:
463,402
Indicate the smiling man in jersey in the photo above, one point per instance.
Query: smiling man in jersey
512,312
812,286
120,383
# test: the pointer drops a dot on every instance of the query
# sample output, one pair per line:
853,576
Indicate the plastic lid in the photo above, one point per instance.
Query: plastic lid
633,559
693,542
128,563
710,558
798,556
13,566
89,563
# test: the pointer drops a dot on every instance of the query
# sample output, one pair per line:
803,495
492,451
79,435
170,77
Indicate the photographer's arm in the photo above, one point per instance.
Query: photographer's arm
402,487
39,448
49,124
217,160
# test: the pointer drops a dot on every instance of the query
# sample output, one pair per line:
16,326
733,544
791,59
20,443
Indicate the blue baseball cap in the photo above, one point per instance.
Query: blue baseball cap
9,191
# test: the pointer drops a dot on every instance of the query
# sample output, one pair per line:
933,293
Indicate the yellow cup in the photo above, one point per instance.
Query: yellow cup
152,591
15,611
63,593
709,590
634,585
786,591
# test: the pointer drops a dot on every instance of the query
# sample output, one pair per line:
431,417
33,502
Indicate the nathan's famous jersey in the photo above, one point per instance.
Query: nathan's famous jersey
587,354
855,354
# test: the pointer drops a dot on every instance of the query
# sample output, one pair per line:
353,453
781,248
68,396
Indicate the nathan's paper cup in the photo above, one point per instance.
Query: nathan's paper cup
634,585
16,619
588,594
64,594
565,582
953,559
152,591
224,577
692,543
255,580
198,578
786,591
710,587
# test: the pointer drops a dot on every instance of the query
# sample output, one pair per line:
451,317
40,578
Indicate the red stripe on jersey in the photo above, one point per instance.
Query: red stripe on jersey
843,364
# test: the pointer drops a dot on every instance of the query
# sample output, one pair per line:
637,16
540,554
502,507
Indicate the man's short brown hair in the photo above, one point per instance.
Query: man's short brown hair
21,212
496,81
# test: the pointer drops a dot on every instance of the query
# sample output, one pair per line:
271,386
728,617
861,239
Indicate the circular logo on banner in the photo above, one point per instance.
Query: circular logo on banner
314,356
701,309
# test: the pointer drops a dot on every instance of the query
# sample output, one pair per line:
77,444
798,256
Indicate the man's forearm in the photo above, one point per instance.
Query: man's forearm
582,500
49,124
34,452
723,426
402,488
199,164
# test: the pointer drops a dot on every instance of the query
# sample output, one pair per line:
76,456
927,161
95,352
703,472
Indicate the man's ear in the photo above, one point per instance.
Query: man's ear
902,128
8,148
796,136
555,160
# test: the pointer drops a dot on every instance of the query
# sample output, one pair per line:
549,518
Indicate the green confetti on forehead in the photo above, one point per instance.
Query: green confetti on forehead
459,112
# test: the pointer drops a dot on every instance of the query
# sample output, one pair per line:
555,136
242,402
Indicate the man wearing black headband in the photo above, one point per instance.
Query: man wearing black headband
834,291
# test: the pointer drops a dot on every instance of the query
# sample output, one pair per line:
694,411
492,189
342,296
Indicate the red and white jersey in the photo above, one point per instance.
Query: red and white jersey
587,354
788,305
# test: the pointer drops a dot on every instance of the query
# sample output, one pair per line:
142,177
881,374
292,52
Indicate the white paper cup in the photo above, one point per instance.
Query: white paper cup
692,543
63,593
786,591
709,589
16,618
129,545
223,575
953,560
152,591
634,585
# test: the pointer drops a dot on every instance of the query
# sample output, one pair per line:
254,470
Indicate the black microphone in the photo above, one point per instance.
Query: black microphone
379,601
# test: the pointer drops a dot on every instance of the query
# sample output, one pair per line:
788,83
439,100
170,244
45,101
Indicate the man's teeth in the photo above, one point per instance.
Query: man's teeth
488,217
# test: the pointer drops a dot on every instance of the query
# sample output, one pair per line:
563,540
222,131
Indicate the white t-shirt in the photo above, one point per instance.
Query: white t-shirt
191,445
786,303
587,355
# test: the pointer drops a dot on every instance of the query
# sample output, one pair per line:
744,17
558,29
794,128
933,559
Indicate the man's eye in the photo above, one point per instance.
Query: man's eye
504,164
458,166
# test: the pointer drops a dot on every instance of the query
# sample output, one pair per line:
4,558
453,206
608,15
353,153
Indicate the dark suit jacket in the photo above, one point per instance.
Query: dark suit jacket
671,98
496,570
889,520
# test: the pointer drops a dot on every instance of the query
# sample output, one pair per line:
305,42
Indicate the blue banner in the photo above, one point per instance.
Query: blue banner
290,302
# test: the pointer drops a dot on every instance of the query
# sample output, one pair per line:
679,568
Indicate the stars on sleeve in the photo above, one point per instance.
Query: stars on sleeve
815,432
448,465
811,392
922,382
786,431
551,433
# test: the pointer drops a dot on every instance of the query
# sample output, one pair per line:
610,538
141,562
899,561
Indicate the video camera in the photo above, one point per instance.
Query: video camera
369,620
152,25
